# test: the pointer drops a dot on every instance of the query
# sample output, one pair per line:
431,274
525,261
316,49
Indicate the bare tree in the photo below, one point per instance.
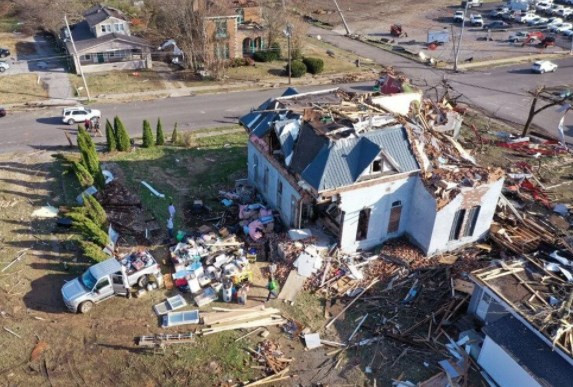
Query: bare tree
184,21
48,14
541,92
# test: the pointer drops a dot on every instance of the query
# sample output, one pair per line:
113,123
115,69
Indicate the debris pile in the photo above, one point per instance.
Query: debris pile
447,168
269,353
230,319
540,289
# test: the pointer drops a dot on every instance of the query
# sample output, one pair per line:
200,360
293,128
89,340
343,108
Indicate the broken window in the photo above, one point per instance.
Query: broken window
256,168
457,224
279,194
395,215
381,165
266,179
363,221
471,221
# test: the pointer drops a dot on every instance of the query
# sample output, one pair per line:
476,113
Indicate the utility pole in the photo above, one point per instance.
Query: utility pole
288,34
460,38
342,17
76,58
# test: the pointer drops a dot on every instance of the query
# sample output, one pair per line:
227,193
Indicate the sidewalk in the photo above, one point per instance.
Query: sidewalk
367,75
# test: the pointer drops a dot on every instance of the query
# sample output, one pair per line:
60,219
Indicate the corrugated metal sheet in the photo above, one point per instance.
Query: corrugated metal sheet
341,163
259,121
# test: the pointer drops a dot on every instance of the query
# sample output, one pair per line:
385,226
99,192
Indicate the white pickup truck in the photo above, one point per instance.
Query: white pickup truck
108,278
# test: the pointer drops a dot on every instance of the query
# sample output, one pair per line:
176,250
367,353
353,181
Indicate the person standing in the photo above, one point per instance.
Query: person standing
273,287
125,280
170,228
87,124
171,210
96,127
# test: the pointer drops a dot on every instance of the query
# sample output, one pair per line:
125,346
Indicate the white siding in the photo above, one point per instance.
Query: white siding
422,216
503,369
287,207
111,21
445,217
379,199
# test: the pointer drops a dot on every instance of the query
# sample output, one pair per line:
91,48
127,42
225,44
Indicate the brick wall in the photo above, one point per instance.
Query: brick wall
253,14
230,39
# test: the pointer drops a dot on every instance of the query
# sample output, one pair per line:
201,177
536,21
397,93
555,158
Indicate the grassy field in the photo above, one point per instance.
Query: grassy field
341,62
115,82
21,88
8,24
216,158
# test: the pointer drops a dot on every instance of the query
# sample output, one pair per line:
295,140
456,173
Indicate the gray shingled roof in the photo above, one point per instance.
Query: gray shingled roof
530,352
86,44
99,13
341,162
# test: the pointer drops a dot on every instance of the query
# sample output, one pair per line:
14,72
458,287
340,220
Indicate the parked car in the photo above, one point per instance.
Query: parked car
568,33
459,16
496,25
106,279
498,12
518,36
79,114
524,18
2,112
544,66
4,66
542,7
476,20
539,21
555,8
553,21
4,52
561,27
564,12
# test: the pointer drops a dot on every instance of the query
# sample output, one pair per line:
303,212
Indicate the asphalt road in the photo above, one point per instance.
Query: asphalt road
43,129
501,91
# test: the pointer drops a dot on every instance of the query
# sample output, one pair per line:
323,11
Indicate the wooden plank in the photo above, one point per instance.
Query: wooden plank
464,286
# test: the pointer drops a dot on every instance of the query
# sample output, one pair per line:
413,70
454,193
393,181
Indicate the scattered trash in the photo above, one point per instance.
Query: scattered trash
153,191
45,212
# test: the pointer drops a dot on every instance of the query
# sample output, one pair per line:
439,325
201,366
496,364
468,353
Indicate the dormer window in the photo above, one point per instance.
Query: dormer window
106,28
381,165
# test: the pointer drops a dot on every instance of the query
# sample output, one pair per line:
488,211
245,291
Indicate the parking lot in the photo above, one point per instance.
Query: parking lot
439,17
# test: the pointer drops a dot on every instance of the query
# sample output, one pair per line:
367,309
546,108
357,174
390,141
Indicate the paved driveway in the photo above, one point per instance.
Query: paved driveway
49,65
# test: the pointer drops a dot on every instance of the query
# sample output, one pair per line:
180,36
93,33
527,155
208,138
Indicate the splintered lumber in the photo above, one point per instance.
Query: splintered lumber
247,324
271,379
224,317
374,282
248,334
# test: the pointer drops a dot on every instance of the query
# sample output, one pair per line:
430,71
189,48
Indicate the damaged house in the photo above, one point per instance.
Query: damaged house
340,161
524,306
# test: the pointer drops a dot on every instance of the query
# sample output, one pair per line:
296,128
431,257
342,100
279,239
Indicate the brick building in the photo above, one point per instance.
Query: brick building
235,30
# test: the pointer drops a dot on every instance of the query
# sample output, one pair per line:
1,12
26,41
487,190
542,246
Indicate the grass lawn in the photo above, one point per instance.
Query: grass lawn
119,82
341,62
8,24
21,88
215,160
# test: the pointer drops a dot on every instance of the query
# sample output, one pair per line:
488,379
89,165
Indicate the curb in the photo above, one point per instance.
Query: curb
190,91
